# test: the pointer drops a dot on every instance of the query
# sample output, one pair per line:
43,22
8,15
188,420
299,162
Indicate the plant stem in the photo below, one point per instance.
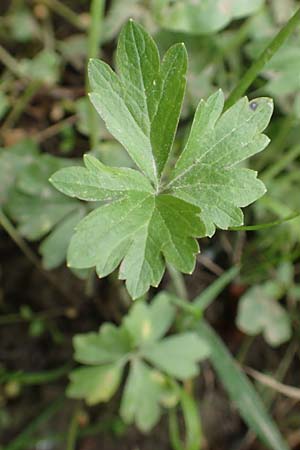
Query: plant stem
65,12
94,45
263,59
10,62
35,378
21,104
73,431
272,171
178,282
20,442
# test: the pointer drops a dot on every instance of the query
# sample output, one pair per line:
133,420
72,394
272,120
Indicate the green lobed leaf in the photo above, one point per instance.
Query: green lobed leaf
260,312
137,227
147,221
207,173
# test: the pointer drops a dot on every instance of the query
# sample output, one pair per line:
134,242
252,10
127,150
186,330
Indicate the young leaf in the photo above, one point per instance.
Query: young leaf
177,355
206,173
139,341
260,312
147,222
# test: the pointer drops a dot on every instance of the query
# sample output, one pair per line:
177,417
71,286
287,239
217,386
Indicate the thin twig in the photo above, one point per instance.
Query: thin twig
284,389
51,131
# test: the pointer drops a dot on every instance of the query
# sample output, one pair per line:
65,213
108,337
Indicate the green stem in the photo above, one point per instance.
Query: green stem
279,143
65,12
10,62
174,434
73,431
94,45
178,282
20,442
35,378
21,104
263,59
277,167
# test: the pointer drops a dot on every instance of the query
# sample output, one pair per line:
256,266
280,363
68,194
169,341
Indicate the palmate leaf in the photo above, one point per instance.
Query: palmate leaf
139,341
260,312
147,220
136,227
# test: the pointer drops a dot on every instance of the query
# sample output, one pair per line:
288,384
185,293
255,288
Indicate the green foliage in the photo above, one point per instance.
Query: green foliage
260,311
146,217
282,70
29,199
241,391
153,359
44,67
202,17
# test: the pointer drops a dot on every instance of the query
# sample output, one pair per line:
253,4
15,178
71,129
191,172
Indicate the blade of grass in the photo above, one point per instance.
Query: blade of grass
206,297
241,391
274,169
263,59
21,441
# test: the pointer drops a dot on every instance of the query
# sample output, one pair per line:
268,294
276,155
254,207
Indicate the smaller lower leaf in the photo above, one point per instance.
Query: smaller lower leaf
95,384
260,312
178,355
140,402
